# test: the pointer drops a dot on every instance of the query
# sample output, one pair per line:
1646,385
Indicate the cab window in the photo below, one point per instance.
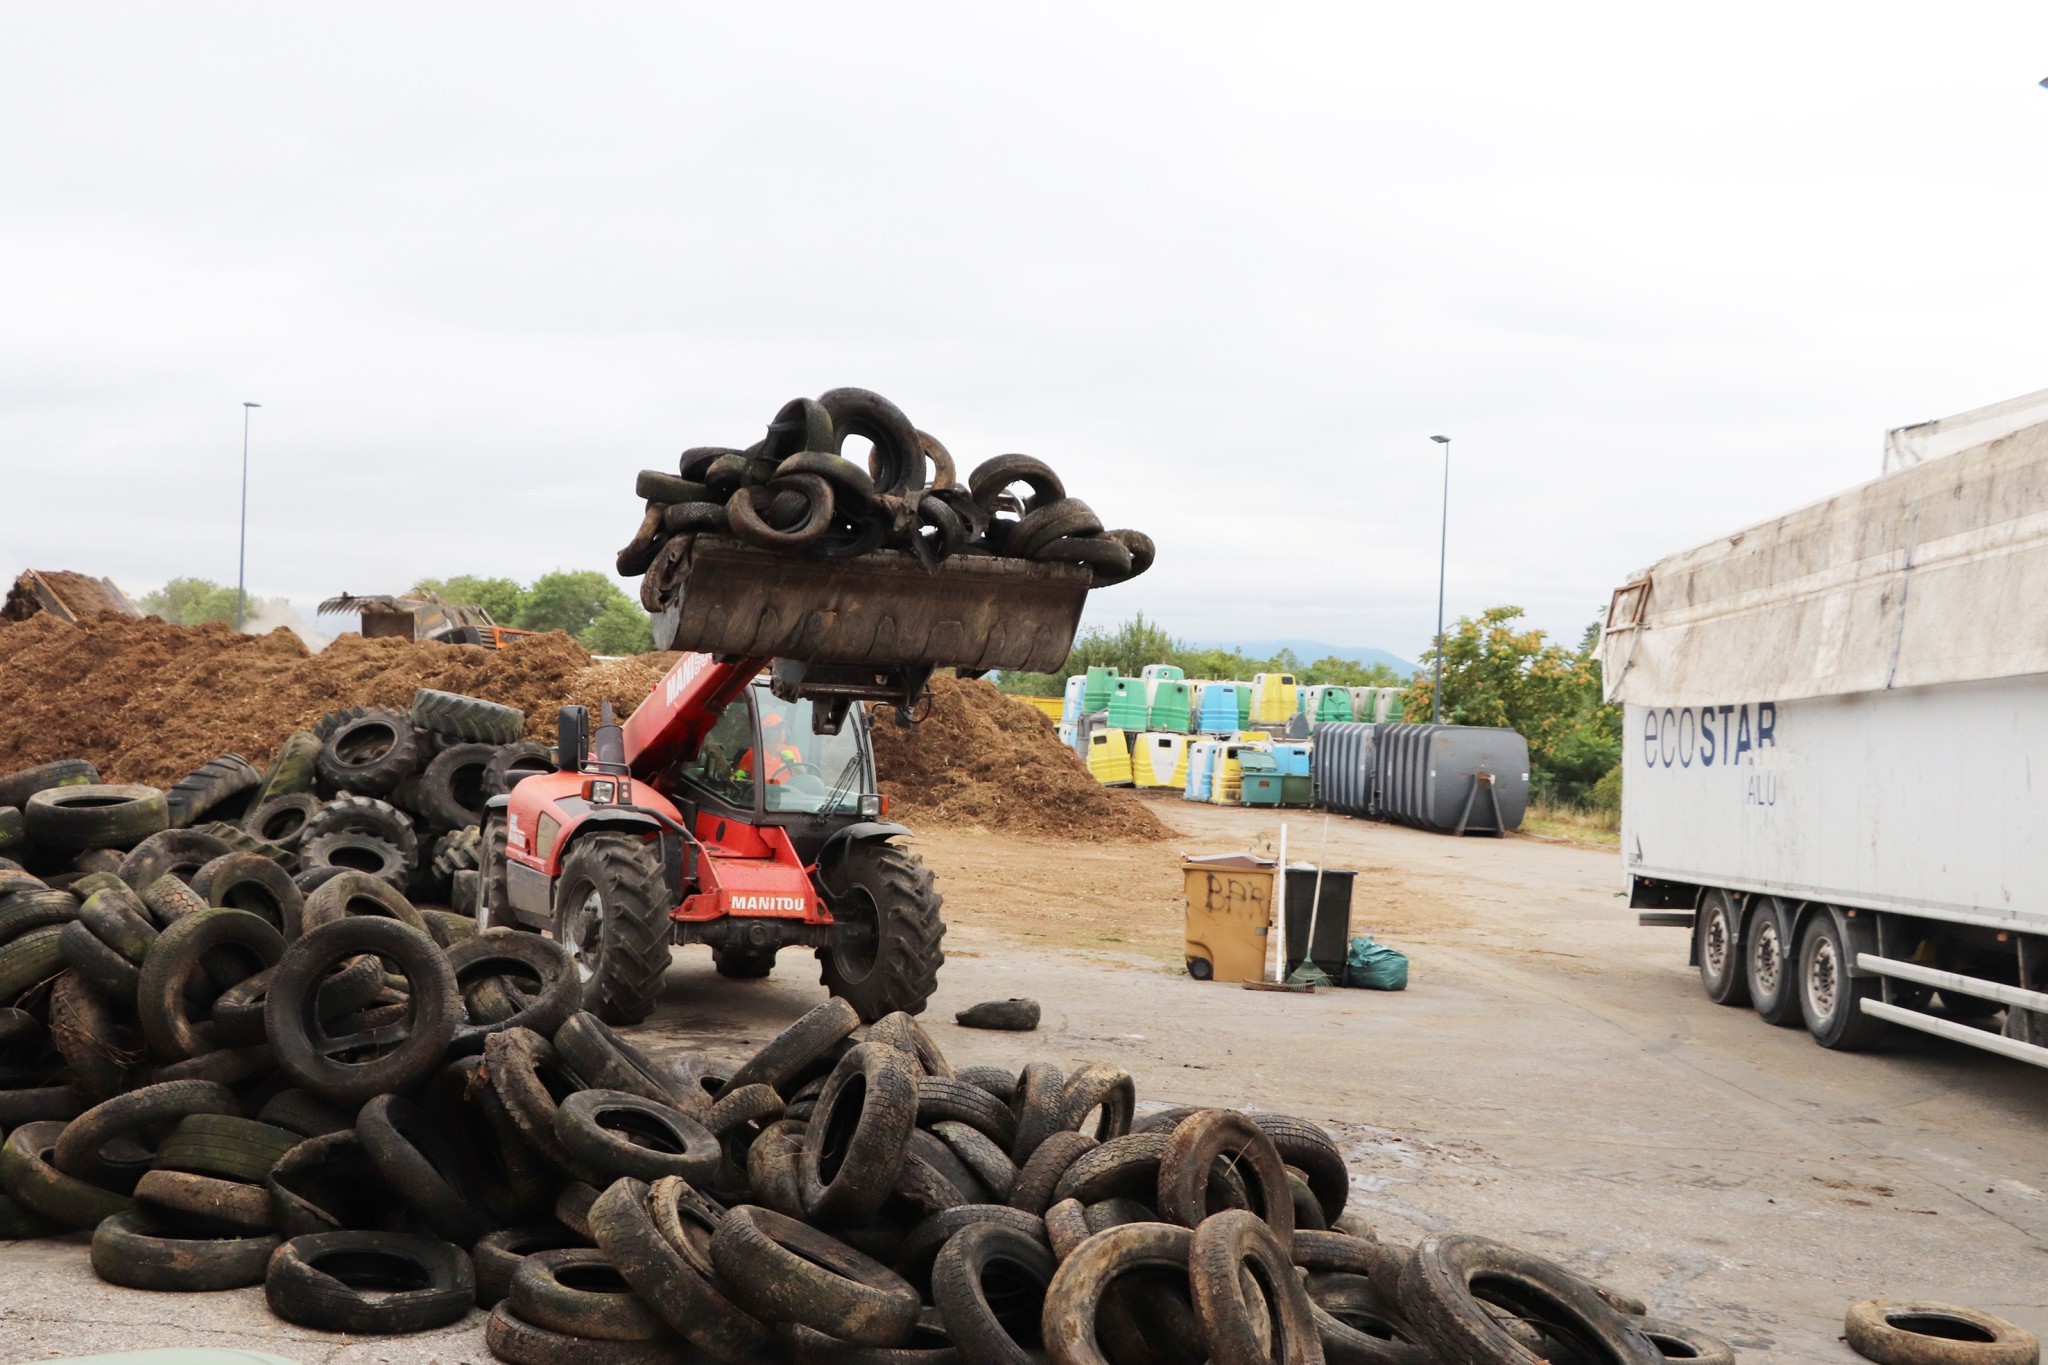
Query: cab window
724,765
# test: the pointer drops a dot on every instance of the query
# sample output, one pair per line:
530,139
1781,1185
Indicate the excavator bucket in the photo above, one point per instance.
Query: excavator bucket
881,612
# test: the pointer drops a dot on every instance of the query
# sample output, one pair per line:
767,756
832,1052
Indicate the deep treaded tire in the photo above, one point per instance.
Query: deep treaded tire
370,754
611,912
885,954
221,788
294,770
363,815
466,718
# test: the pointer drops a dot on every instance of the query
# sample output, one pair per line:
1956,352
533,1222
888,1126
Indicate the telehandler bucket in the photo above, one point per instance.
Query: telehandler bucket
883,611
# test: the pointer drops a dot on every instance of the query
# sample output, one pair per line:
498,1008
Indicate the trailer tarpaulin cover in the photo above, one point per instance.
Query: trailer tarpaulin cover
1937,573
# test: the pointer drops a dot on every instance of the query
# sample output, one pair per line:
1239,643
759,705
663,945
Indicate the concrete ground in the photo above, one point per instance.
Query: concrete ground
1552,1077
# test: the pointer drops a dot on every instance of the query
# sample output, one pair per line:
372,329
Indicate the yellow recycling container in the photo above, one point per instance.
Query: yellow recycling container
1230,908
1109,757
1272,698
1160,759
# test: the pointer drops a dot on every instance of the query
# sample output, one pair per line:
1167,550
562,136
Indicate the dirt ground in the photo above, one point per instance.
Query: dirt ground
1552,1077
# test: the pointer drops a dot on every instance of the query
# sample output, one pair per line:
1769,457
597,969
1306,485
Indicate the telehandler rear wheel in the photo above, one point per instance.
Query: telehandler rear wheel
611,913
885,954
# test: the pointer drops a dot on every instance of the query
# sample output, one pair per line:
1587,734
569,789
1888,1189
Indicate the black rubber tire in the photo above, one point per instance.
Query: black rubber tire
497,1255
13,831
137,1248
737,965
1040,1106
896,462
932,1180
34,908
294,769
1066,1227
38,1104
120,919
997,1080
1021,1268
515,762
326,1184
369,754
785,1271
526,1075
224,1145
517,1342
858,1134
362,815
597,1056
941,1100
452,788
572,1208
1359,1324
622,949
229,1066
207,1201
418,1160
77,947
242,841
94,815
305,1114
559,994
97,1051
677,1287
1678,1341
1109,562
580,1292
466,718
416,1283
1086,1280
1436,1297
178,853
1770,976
18,786
1041,526
493,909
221,788
457,850
170,900
28,1177
906,1035
1186,1168
359,895
81,1150
1921,1332
1310,1150
1097,1086
885,954
786,1058
281,820
291,1014
354,851
1714,945
750,1107
615,1134
1231,1251
977,1151
1010,1016
253,883
1841,1025
168,972
1036,1180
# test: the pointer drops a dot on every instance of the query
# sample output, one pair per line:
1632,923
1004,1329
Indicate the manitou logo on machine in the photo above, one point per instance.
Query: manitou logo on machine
768,905
679,677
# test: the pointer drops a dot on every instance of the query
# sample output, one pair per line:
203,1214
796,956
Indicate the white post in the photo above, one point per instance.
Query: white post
1279,925
1315,907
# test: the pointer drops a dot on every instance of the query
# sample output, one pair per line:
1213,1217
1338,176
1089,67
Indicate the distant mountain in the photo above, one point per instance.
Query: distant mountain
1308,651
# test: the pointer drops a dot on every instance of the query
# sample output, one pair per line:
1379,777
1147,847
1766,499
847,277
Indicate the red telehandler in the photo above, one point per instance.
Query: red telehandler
738,806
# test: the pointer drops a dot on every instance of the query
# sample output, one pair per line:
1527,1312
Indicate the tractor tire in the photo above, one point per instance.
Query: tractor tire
885,954
466,718
611,912
295,769
743,964
493,911
221,788
515,762
369,754
452,790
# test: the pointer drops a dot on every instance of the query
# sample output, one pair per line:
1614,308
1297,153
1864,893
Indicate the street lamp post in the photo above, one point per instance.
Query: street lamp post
242,558
1436,686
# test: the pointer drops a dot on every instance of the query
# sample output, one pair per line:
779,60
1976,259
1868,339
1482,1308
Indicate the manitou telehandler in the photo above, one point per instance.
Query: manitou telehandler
738,806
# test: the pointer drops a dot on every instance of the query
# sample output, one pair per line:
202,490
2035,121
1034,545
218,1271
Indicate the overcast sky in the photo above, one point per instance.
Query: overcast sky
1660,271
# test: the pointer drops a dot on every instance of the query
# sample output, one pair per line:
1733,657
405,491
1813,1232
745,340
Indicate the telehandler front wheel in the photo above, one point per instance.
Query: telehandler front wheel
884,955
611,913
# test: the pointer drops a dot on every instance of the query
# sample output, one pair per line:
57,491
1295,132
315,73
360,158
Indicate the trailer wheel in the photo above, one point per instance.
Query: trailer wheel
611,913
1768,967
1720,962
1830,998
884,955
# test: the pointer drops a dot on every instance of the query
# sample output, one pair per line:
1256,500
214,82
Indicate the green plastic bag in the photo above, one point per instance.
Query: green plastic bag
1375,967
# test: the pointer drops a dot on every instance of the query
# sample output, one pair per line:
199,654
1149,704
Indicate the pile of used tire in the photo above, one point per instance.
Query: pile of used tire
794,492
385,1117
398,795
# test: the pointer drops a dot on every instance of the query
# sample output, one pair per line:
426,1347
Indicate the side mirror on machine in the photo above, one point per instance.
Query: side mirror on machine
572,737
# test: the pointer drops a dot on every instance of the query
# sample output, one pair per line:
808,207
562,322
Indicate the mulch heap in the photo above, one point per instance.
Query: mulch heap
148,702
978,757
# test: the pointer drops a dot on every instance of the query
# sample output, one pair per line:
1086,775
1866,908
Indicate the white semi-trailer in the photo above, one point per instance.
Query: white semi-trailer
1835,761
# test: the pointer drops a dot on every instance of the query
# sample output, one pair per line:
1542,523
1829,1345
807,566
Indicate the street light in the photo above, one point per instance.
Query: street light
242,560
1436,686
